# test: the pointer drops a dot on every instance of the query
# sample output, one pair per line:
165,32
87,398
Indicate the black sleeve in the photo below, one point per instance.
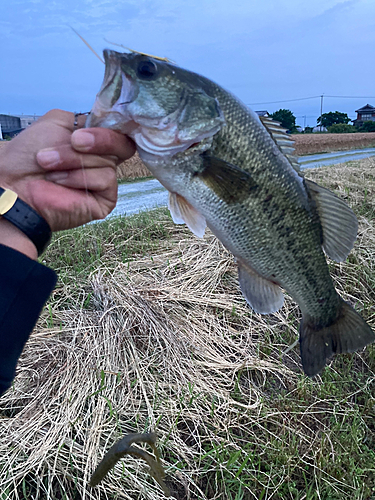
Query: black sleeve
25,285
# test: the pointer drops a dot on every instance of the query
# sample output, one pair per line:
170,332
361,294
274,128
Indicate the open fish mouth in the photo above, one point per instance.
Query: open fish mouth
127,103
117,90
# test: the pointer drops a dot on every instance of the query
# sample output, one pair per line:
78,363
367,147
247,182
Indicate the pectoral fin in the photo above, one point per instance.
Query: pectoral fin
263,296
230,183
184,213
338,221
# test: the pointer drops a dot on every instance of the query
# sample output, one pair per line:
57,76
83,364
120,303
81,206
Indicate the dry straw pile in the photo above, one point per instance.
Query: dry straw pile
165,342
132,169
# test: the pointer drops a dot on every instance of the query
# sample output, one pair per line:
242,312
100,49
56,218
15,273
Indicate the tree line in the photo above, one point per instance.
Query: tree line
334,122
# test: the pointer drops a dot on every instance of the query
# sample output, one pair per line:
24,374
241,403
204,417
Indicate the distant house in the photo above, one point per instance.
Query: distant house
365,114
12,125
27,120
319,129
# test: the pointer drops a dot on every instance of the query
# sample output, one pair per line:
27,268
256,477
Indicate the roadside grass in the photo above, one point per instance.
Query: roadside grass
131,180
147,330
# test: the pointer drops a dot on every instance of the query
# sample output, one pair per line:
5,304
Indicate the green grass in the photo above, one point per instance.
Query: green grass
80,250
135,179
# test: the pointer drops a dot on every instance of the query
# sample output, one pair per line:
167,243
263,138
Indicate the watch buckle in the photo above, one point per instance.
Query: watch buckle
7,200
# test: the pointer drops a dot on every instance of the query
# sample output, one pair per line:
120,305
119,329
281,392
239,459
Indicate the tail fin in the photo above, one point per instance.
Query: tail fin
348,333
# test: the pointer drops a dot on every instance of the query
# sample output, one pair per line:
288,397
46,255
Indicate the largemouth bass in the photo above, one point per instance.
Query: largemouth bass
226,169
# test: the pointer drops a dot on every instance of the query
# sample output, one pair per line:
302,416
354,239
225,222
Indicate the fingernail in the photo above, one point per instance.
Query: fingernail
48,158
56,176
82,140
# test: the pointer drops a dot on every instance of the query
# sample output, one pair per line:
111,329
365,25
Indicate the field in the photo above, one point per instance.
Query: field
147,330
321,143
304,144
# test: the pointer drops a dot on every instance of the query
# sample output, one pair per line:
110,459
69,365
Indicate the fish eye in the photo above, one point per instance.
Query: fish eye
146,69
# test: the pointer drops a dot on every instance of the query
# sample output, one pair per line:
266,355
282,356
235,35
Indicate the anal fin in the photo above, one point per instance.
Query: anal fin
262,295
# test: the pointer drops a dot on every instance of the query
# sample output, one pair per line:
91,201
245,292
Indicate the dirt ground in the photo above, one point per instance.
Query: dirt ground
304,144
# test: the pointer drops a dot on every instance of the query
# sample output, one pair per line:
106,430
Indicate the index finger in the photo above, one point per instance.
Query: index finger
66,119
103,141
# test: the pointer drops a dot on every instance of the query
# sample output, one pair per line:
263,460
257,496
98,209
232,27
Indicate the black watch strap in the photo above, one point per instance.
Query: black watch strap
19,213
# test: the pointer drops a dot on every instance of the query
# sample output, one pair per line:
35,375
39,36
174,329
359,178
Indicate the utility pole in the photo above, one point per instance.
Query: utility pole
321,110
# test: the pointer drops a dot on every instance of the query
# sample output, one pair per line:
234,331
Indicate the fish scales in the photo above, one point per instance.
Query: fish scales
224,168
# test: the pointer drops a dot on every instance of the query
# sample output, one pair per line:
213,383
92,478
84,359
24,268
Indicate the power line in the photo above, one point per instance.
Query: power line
313,97
287,100
351,96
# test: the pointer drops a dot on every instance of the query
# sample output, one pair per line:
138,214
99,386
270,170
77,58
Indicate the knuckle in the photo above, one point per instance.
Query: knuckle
109,175
106,177
54,113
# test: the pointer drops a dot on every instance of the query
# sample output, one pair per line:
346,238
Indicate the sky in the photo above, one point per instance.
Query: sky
262,51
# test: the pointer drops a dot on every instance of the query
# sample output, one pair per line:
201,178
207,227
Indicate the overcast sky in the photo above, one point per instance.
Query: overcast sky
261,50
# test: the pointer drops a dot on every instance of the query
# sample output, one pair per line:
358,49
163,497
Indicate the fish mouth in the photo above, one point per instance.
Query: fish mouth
117,91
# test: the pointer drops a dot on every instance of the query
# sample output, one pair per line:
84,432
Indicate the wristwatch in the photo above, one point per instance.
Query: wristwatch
20,214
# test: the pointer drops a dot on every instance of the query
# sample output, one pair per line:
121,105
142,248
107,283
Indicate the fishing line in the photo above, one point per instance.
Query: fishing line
76,115
165,59
86,187
87,113
87,44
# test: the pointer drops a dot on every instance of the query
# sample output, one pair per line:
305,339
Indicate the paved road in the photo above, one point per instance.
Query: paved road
323,159
137,196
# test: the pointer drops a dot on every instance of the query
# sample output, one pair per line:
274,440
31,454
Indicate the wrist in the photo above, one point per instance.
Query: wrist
26,219
13,237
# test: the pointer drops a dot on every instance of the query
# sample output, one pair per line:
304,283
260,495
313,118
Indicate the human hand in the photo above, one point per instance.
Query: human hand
76,188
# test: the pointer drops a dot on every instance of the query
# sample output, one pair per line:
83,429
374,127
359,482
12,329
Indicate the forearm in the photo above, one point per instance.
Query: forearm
12,237
25,285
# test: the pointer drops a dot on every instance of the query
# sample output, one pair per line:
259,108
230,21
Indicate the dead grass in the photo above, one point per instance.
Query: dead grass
162,340
132,169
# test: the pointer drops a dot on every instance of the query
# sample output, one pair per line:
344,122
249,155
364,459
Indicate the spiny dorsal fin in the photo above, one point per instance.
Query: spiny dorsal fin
283,140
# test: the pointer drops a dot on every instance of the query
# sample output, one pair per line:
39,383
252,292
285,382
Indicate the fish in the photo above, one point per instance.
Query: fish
230,171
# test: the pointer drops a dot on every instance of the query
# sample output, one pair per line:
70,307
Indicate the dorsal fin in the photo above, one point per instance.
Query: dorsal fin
283,140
